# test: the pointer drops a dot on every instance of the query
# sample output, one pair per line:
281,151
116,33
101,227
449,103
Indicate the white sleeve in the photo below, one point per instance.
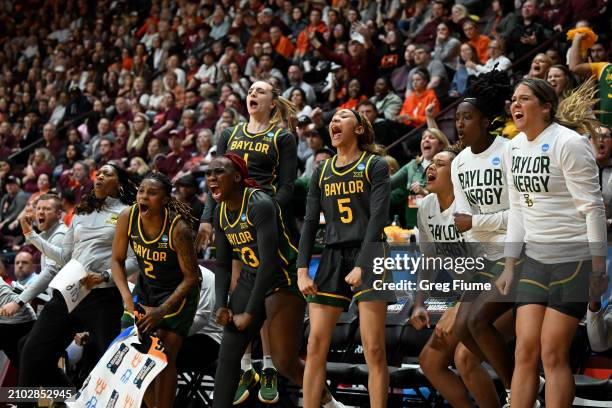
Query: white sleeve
490,222
515,233
577,161
62,253
426,244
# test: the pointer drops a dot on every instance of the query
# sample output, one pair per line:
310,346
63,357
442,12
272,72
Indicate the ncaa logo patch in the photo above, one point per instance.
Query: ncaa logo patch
164,238
545,147
270,134
361,166
496,161
243,218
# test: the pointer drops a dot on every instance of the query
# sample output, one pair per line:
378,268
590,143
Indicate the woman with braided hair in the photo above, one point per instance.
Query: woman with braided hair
88,241
479,175
158,229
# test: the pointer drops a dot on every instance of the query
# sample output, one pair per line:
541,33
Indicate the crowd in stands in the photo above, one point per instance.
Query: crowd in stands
151,84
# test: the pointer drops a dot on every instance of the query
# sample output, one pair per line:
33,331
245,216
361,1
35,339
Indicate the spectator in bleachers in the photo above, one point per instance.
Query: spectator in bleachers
166,121
208,115
459,15
104,131
399,76
387,103
413,109
189,129
446,47
600,69
358,61
41,162
503,21
295,79
412,175
539,66
11,205
479,41
438,79
176,157
315,143
187,191
298,97
121,139
105,153
122,112
304,39
466,68
139,134
352,97
496,60
561,79
76,179
427,32
52,143
526,34
391,55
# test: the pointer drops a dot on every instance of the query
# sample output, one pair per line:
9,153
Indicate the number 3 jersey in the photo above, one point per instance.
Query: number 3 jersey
555,197
156,257
354,200
241,232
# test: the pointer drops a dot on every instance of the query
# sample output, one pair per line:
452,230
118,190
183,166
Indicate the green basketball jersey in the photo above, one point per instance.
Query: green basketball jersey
157,258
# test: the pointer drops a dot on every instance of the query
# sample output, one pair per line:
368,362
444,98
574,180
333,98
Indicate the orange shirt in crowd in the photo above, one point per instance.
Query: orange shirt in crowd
302,42
352,103
481,43
415,105
285,47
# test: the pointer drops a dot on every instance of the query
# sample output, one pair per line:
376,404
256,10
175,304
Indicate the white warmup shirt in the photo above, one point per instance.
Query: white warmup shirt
479,182
556,206
438,236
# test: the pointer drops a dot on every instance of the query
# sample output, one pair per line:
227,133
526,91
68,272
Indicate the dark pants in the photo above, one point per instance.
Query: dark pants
198,353
10,334
99,314
233,345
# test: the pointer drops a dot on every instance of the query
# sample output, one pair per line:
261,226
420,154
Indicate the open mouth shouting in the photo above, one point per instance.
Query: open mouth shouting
143,208
336,132
215,191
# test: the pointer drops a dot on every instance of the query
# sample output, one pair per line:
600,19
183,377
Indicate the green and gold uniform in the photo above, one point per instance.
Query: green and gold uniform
249,234
354,200
271,157
161,272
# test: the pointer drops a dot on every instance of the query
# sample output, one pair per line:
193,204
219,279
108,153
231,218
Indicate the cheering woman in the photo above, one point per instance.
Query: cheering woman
439,237
271,155
248,222
88,241
158,230
479,179
557,210
352,190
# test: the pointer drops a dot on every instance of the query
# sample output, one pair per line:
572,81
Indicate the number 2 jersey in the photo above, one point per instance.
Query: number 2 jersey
556,205
256,233
354,200
481,189
156,257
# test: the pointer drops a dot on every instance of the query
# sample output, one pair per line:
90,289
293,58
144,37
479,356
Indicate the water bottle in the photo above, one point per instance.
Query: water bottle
396,221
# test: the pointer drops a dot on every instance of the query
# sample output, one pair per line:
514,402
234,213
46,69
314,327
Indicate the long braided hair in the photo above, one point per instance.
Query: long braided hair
128,185
173,204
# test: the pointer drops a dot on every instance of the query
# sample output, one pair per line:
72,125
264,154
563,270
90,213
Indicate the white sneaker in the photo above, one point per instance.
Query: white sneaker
332,403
